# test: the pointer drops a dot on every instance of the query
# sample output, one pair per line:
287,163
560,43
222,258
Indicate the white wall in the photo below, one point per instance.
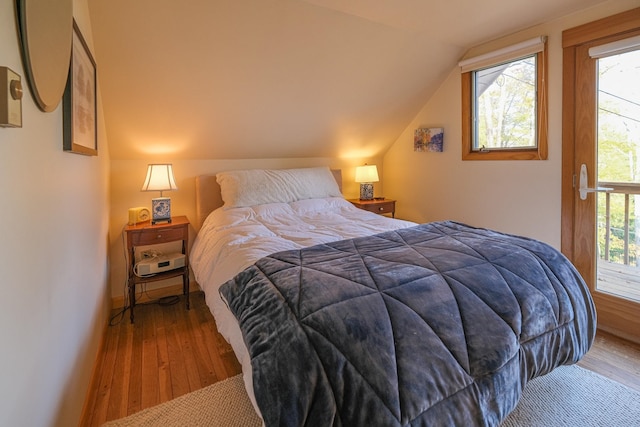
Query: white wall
53,257
521,197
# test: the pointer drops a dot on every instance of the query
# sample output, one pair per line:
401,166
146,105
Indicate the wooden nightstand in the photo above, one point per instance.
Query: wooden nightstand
379,206
145,234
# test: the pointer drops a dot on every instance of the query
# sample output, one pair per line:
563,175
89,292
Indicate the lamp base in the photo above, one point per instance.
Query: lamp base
160,210
366,191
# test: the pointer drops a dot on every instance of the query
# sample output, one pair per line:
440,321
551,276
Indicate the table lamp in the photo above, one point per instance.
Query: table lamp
366,175
160,178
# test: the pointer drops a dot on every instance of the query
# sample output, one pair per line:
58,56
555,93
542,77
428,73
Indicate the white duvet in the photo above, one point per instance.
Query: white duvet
233,239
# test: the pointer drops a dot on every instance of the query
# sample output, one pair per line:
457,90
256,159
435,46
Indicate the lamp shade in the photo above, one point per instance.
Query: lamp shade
367,173
159,178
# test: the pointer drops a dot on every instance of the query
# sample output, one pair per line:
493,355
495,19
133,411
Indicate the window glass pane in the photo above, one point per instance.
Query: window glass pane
505,106
618,101
619,118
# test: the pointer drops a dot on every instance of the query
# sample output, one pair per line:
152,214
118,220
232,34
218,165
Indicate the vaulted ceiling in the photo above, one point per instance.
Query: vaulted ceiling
229,79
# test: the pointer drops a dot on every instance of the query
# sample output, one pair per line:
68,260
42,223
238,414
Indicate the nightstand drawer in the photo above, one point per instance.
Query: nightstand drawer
149,237
380,208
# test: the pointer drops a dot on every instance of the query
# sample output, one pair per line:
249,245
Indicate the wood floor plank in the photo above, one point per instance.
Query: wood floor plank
135,383
189,353
615,358
150,385
178,371
210,334
107,366
201,353
187,347
231,364
226,357
119,397
165,388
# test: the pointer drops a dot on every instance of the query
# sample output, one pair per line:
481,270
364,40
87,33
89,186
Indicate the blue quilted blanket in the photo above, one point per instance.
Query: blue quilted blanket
439,324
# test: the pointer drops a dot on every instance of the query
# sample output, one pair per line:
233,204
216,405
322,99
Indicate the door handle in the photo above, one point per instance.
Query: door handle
582,187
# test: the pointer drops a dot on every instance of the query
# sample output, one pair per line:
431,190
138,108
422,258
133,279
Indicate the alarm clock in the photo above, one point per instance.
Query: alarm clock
137,215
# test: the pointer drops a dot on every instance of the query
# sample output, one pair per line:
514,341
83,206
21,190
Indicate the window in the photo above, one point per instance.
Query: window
504,104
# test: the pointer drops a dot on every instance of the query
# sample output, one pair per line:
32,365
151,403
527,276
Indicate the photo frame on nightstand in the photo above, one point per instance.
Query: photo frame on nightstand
160,210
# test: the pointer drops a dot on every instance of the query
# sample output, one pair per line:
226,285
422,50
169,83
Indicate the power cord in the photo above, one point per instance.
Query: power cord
162,301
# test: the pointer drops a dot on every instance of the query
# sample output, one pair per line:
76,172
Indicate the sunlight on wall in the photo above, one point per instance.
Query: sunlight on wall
155,147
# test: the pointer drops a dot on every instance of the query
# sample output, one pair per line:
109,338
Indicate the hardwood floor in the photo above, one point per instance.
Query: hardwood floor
170,351
615,358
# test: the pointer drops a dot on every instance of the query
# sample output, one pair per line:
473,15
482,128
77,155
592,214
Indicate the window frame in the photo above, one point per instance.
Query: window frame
538,153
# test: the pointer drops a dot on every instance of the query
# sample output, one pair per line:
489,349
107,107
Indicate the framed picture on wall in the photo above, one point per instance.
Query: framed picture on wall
79,104
428,139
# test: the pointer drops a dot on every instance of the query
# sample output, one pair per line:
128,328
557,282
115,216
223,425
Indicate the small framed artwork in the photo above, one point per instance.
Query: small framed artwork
79,127
161,210
428,139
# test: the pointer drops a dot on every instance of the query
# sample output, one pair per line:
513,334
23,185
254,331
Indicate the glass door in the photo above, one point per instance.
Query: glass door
600,141
618,173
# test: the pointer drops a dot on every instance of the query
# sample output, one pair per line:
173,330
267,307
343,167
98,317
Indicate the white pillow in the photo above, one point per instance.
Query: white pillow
243,188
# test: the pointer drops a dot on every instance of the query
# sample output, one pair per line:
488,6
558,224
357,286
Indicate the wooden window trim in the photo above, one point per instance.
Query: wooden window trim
538,153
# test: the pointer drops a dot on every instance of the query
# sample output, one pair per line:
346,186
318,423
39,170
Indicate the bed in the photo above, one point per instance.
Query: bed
343,317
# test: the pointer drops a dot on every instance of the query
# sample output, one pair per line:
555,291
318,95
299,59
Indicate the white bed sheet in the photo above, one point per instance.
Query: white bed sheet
233,239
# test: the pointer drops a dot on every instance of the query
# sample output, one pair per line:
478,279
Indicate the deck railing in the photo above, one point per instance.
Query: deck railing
620,188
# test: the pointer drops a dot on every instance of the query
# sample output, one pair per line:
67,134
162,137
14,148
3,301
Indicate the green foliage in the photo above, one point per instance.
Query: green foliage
506,106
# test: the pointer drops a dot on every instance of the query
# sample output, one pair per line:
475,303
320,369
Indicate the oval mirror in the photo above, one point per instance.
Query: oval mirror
46,28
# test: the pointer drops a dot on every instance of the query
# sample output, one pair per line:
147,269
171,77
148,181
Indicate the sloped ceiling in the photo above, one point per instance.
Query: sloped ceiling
230,79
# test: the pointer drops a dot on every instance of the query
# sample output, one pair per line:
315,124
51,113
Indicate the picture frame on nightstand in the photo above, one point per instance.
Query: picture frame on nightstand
160,210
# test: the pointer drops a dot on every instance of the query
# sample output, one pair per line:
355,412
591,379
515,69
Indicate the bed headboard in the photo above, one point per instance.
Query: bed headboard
208,197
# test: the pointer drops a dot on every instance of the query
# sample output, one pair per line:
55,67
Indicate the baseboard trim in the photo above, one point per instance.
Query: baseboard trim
619,333
93,388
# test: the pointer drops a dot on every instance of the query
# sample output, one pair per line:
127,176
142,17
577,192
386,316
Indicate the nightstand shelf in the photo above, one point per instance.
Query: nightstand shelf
147,234
379,206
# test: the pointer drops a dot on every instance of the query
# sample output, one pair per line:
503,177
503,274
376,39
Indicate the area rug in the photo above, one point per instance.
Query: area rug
572,396
568,396
223,404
